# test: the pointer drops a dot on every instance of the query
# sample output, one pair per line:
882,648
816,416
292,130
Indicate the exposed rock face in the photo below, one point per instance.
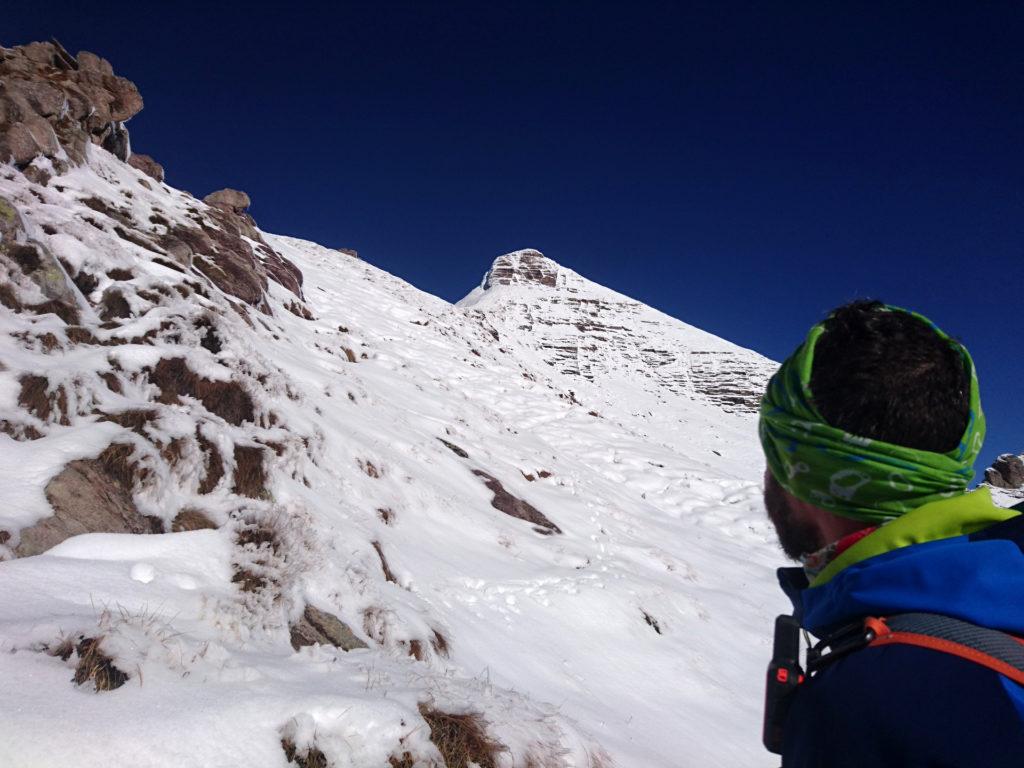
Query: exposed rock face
51,101
233,200
28,269
586,330
147,165
1007,471
526,266
89,496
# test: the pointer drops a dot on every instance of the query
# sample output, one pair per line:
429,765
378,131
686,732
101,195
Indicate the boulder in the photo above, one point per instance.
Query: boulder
233,200
147,165
1007,471
319,627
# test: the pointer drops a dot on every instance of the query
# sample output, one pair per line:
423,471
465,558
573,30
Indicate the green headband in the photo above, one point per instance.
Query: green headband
856,476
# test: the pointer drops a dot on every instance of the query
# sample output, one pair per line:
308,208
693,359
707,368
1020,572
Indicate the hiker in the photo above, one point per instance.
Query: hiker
912,585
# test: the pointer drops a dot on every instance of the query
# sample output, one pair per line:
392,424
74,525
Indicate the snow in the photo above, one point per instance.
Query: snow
551,638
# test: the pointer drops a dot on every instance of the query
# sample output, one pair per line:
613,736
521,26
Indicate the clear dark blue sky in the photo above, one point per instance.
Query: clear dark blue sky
742,166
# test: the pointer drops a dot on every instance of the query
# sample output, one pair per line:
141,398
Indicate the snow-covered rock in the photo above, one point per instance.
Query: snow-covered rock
541,505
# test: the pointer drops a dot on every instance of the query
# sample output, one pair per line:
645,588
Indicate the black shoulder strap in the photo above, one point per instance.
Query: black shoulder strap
991,648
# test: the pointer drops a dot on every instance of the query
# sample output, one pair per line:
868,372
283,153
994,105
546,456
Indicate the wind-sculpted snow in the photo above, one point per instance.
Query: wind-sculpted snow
617,612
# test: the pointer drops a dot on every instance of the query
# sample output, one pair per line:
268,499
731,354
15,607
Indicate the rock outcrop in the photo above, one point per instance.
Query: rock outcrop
53,105
525,266
89,496
147,165
232,200
1007,472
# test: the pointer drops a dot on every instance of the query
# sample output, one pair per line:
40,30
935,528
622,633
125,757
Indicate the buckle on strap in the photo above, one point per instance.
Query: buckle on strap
845,640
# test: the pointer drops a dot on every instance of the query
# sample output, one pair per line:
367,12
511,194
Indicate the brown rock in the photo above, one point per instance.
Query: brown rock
90,62
320,627
127,101
89,496
147,165
77,101
40,53
513,506
230,199
526,266
41,96
18,145
1007,471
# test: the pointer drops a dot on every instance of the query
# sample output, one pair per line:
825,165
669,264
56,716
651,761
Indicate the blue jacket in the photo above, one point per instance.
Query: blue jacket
906,706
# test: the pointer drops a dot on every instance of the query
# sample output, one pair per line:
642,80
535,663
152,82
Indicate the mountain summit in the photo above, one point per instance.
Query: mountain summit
585,330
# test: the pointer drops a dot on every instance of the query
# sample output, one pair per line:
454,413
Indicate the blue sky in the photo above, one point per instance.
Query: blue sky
741,166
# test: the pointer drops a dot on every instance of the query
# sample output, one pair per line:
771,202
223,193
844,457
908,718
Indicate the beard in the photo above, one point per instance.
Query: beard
797,537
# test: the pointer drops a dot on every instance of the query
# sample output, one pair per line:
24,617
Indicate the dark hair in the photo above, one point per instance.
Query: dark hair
888,376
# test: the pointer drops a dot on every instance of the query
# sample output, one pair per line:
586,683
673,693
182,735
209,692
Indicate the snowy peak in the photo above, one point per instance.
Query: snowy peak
526,266
588,331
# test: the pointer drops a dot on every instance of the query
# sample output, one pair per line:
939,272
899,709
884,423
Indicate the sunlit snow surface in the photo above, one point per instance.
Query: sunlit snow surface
657,498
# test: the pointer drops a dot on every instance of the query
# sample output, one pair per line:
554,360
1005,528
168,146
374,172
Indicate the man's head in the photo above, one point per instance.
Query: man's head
875,412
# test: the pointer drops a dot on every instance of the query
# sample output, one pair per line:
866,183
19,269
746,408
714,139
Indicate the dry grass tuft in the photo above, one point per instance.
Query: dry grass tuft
116,461
461,738
114,305
227,399
386,515
191,519
440,644
96,666
9,298
370,468
62,650
416,649
405,761
259,539
214,464
211,340
135,420
311,758
250,474
35,397
19,432
112,381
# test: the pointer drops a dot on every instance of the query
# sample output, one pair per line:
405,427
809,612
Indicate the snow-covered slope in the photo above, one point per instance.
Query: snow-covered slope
314,449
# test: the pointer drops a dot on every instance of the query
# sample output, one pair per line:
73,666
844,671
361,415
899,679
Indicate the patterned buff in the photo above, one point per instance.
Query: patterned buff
855,476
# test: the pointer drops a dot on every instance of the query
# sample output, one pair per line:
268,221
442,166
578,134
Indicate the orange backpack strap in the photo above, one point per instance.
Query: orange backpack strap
990,648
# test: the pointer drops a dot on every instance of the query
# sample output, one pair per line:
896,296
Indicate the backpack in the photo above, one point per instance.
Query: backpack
991,648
